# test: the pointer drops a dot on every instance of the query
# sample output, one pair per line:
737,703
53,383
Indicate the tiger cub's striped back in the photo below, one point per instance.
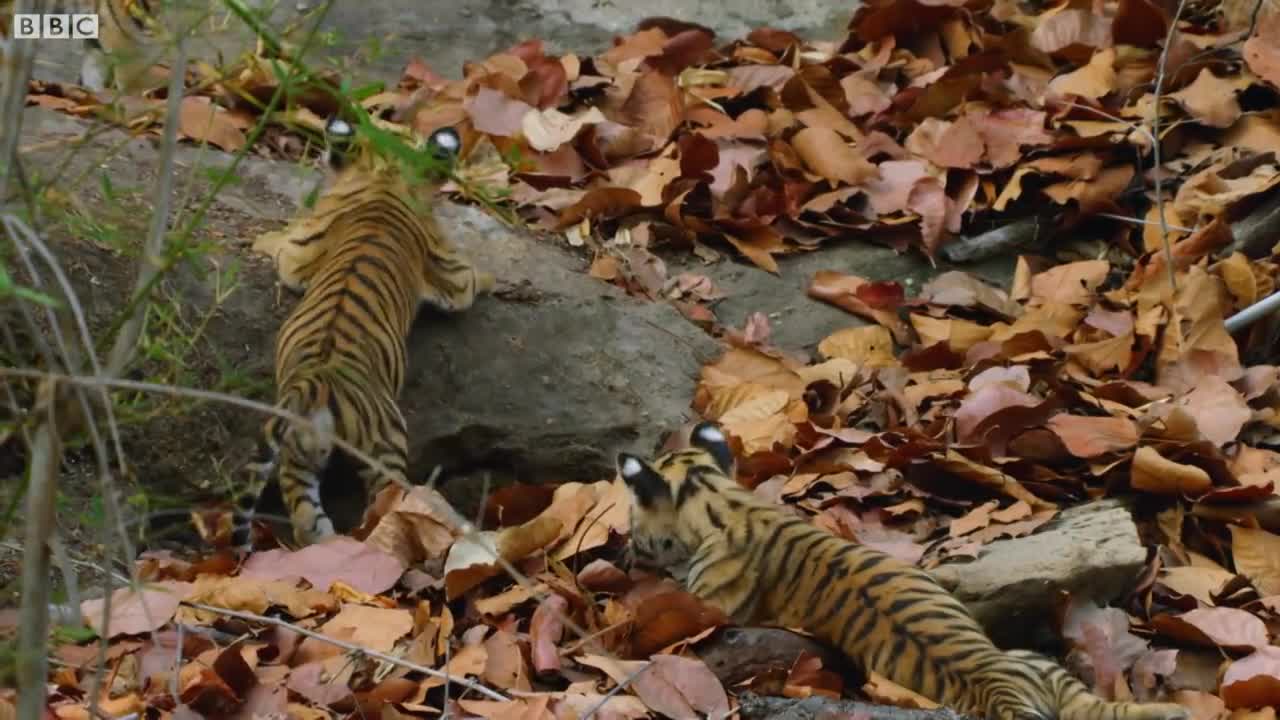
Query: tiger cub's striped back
341,354
761,565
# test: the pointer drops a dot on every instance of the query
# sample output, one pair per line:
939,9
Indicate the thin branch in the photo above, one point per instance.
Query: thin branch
1155,145
150,263
351,647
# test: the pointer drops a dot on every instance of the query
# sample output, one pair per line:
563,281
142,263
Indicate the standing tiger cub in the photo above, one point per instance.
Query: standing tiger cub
761,565
370,255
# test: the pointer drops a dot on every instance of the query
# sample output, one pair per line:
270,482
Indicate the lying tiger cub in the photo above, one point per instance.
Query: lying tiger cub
761,565
374,255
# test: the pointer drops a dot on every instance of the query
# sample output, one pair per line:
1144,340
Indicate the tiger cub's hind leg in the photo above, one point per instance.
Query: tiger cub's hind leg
390,447
304,455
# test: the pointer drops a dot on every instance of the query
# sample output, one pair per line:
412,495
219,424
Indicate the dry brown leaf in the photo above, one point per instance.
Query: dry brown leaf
1211,99
545,630
1253,681
1228,628
827,154
250,594
134,613
1219,410
415,529
869,346
1154,473
1092,81
1262,51
1197,581
339,558
1070,284
504,662
1089,437
1257,557
201,120
475,558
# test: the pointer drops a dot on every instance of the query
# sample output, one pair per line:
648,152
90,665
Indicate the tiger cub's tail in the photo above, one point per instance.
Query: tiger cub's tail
1075,702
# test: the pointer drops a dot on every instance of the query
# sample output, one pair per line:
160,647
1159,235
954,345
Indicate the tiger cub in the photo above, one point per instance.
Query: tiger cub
341,354
761,565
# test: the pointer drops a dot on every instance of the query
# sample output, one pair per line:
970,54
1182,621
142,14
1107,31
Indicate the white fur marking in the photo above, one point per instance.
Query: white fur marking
711,434
340,127
631,466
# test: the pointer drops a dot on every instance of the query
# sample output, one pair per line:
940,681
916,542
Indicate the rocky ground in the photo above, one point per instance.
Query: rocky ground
543,382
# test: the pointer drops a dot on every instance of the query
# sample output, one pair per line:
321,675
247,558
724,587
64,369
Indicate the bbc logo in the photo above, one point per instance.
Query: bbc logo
55,27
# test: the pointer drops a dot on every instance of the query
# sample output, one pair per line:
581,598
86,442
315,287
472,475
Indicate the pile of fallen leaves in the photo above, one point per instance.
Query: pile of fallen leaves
1000,409
221,639
1005,407
928,118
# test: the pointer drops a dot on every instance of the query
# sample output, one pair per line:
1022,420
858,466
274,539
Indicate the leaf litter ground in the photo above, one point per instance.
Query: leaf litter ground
955,418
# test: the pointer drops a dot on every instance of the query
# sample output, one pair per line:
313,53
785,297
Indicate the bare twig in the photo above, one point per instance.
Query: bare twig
150,264
42,484
351,647
1157,166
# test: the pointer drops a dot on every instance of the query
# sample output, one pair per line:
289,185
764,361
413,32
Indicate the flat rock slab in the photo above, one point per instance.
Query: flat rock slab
1091,551
545,381
549,378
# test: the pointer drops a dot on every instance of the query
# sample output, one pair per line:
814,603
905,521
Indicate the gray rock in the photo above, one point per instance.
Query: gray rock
1091,551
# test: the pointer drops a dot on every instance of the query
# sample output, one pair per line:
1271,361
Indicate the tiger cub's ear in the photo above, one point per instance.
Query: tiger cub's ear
645,483
709,437
339,137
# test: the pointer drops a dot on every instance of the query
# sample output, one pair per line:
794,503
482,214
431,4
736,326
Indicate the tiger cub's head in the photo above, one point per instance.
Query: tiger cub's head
345,154
676,500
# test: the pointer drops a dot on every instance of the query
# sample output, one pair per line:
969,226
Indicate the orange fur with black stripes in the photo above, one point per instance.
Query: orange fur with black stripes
376,257
762,565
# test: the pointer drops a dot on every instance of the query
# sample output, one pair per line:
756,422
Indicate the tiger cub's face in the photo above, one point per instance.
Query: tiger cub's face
344,155
676,499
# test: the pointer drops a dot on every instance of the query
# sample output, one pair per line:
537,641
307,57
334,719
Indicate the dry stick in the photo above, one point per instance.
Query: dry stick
351,647
1155,145
122,350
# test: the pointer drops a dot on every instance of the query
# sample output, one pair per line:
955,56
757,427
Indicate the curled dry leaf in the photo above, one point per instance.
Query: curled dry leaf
545,631
475,558
1154,473
415,529
827,154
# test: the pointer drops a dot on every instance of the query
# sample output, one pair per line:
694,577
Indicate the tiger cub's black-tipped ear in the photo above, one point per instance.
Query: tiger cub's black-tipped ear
339,137
709,437
647,484
445,143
